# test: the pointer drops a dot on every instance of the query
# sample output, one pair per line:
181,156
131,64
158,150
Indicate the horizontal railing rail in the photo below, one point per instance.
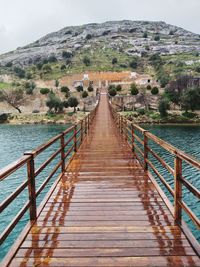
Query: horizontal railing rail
69,142
139,140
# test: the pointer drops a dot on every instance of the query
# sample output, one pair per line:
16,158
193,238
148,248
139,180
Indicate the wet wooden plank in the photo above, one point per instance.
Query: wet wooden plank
105,212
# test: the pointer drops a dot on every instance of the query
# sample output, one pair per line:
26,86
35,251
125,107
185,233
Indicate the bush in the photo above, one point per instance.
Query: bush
64,89
157,37
44,91
57,83
19,72
52,59
66,54
9,64
90,88
63,67
112,91
141,111
46,68
148,87
35,111
134,90
29,75
79,88
154,90
189,115
73,102
65,104
163,106
145,35
134,63
29,87
118,87
86,61
114,60
84,94
88,36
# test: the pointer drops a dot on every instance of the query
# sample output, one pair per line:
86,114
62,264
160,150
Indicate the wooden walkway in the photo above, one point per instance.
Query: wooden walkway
105,211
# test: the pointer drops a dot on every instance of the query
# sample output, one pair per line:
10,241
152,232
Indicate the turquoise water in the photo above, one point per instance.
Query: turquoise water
186,138
14,140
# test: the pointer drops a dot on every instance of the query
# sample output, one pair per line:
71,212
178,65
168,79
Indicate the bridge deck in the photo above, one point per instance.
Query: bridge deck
105,211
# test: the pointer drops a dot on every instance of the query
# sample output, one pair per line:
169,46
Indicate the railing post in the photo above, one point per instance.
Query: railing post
132,137
62,144
145,150
81,131
31,185
88,121
126,131
177,190
122,125
75,138
85,125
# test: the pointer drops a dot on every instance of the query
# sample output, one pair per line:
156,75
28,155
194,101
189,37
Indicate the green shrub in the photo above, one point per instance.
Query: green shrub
112,91
155,90
148,87
79,88
118,87
145,35
66,54
64,89
63,67
44,91
134,63
141,111
157,37
163,106
86,61
189,115
19,72
134,90
114,61
84,94
90,88
73,102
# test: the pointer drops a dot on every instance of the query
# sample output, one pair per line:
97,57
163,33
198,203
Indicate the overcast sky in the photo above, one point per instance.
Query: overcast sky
25,21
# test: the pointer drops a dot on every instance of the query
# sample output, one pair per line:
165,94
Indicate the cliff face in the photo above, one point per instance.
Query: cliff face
125,36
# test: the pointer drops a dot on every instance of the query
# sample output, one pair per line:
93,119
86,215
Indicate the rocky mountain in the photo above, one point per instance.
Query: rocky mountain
129,37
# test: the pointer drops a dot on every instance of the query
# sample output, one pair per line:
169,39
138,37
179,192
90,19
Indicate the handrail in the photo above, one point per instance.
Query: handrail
71,138
179,157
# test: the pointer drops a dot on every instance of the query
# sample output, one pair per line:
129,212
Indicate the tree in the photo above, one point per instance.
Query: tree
64,89
90,88
57,83
54,102
118,87
154,90
134,90
163,106
73,102
134,63
86,61
14,98
190,100
52,59
44,91
145,35
79,88
112,91
148,87
84,94
114,61
157,37
88,36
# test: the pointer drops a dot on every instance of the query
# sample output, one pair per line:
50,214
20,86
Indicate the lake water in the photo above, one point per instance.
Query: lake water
15,139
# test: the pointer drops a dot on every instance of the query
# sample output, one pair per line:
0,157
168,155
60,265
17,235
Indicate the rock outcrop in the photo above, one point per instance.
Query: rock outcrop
125,36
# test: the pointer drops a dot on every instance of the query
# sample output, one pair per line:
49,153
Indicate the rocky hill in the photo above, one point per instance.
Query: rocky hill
135,38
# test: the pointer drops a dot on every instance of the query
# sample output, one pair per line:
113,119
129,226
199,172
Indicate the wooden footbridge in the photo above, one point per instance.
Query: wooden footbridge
106,207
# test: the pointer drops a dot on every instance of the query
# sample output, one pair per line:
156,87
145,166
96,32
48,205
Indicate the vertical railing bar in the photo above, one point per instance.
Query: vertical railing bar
75,138
177,190
31,185
62,144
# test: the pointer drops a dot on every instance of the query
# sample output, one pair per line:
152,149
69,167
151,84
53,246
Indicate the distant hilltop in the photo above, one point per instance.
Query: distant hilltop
136,38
